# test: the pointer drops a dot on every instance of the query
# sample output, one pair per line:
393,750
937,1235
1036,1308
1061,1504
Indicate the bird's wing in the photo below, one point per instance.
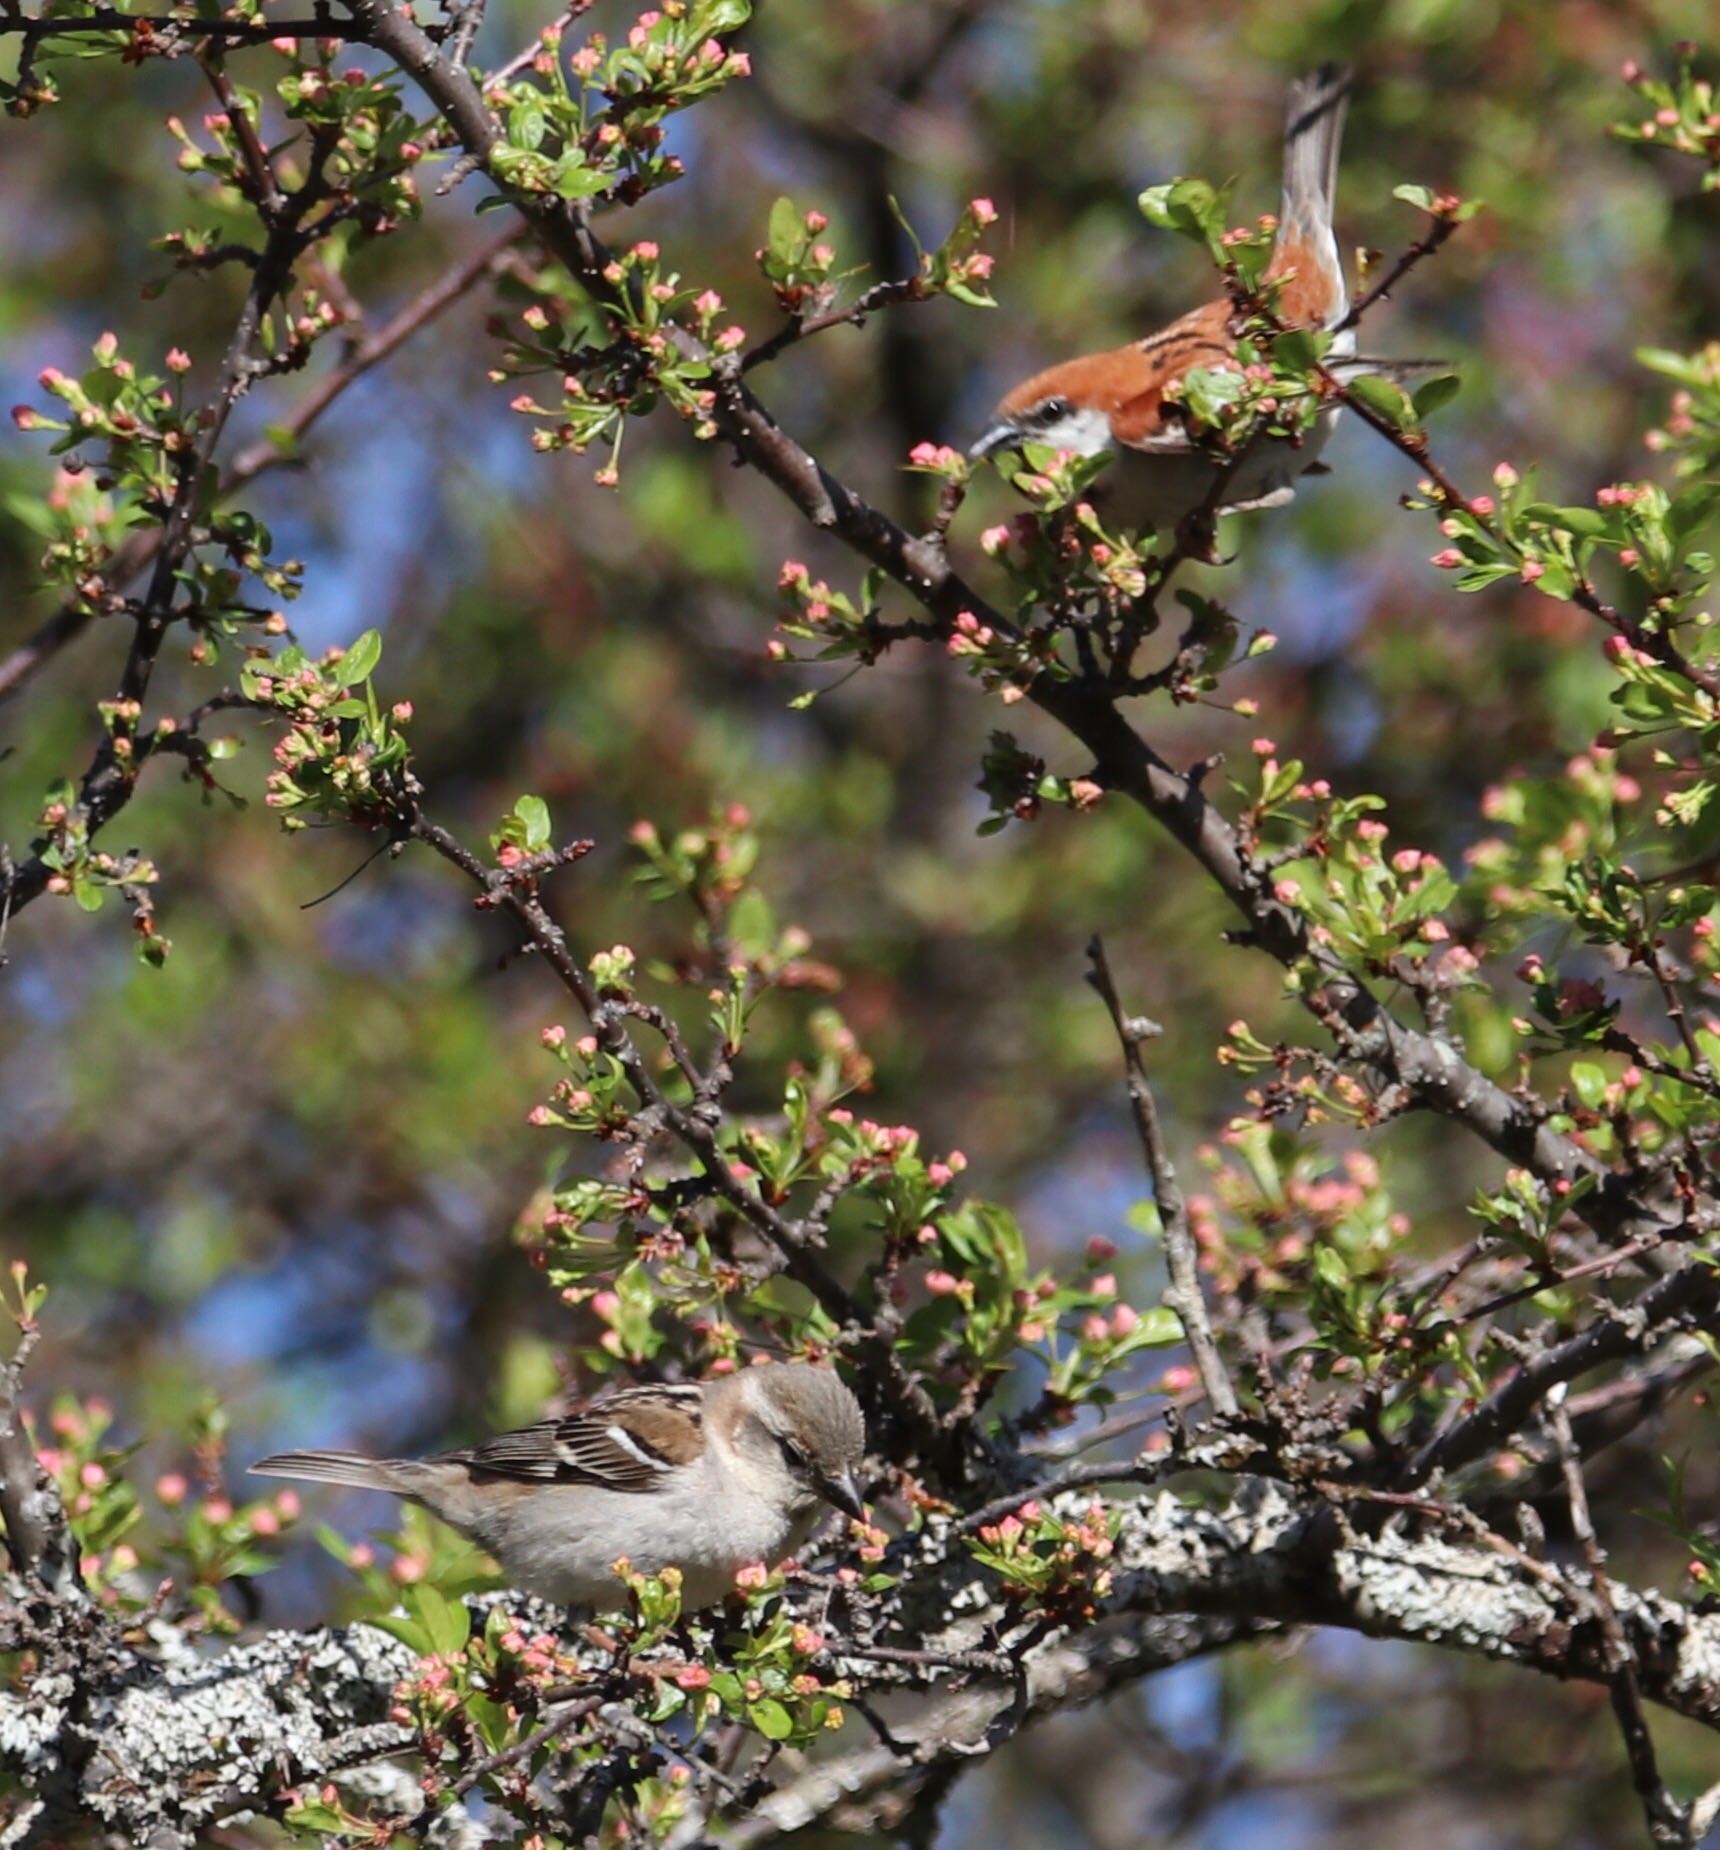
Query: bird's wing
630,1440
1142,420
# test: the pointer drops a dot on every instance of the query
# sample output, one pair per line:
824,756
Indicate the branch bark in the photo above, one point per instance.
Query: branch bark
175,1740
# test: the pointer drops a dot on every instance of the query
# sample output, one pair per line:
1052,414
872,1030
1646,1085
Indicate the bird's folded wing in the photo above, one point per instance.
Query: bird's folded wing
1143,418
631,1440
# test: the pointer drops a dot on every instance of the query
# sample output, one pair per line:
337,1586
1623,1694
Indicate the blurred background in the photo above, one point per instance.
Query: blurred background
285,1169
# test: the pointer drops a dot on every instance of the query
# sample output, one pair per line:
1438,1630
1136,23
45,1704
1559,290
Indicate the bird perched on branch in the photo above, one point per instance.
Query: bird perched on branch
1124,400
705,1478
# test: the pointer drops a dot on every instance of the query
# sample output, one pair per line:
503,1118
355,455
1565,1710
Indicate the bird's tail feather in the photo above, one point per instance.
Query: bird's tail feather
1313,130
351,1468
1349,365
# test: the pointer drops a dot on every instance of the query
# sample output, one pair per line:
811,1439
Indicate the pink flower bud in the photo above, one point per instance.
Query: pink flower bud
942,1284
171,1489
982,211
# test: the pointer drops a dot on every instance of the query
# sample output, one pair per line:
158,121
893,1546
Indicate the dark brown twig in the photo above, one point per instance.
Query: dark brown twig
1668,1822
1442,228
1182,1258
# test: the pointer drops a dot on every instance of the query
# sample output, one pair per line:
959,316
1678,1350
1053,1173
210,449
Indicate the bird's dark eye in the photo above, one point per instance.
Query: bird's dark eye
1052,411
792,1455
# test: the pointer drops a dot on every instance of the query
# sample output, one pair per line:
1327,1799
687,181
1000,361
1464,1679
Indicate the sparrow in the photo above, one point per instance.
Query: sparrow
1117,400
708,1478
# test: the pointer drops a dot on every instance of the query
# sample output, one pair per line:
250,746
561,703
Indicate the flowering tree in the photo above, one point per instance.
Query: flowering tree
1326,1397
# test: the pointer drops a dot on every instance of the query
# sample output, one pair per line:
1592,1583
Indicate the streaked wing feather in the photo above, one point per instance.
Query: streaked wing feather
628,1441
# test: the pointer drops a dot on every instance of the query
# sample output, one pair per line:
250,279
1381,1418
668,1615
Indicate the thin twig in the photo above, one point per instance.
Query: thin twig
880,295
1443,227
69,622
1668,1823
1182,1257
900,1395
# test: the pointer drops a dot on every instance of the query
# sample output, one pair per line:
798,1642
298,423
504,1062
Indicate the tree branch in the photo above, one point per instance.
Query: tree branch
1182,1259
71,620
1429,1069
146,1743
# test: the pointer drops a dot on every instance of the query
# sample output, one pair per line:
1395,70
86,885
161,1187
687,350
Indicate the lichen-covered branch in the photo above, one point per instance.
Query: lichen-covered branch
177,1738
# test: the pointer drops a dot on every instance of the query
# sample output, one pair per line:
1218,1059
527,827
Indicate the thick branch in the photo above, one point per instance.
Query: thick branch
1687,1299
38,1537
872,1784
158,1742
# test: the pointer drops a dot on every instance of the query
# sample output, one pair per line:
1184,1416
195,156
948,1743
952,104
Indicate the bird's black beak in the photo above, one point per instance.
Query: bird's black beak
841,1491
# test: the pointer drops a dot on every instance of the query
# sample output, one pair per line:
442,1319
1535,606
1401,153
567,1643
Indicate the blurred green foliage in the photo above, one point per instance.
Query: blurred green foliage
286,1167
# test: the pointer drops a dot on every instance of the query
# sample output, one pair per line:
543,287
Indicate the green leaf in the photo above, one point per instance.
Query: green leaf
787,232
410,1632
1687,369
316,1815
1415,196
527,126
1385,398
1157,1329
1587,523
360,659
491,1720
1301,349
1330,1268
770,1718
1479,577
572,179
1435,392
447,1623
1589,1082
1192,208
533,815
1207,391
